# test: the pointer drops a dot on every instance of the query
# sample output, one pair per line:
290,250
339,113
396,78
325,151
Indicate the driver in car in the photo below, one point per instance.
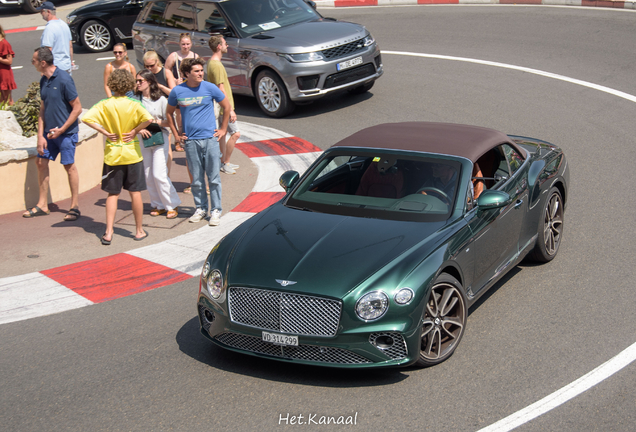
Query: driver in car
444,178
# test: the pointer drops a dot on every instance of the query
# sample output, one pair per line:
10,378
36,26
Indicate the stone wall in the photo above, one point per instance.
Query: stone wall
18,172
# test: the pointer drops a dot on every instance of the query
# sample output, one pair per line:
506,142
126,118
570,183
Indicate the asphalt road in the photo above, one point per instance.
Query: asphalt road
138,363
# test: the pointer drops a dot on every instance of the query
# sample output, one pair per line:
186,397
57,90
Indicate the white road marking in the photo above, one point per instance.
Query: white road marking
608,368
521,69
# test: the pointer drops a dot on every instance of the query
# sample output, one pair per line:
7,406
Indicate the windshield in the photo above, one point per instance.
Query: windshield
256,16
380,185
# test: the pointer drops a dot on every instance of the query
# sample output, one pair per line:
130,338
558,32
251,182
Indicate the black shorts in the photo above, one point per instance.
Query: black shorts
130,177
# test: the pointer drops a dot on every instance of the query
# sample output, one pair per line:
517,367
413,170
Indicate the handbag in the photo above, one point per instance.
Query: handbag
156,138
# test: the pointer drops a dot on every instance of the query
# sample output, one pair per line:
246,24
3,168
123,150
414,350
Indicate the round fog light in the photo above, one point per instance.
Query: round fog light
384,342
404,296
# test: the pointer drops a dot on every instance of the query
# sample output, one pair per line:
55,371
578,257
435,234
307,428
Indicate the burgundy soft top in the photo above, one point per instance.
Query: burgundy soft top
443,138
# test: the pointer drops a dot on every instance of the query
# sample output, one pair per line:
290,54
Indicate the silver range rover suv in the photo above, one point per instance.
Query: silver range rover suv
282,52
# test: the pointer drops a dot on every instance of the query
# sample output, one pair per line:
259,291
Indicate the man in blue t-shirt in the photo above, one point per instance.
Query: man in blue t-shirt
57,130
195,98
57,37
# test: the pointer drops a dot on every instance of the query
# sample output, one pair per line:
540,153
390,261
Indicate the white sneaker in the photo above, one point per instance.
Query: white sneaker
215,217
197,216
233,165
227,169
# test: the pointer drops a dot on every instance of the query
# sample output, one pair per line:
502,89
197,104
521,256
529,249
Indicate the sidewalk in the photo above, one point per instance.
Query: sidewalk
50,265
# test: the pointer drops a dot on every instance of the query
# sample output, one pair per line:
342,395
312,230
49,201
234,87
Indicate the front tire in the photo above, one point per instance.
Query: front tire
550,229
443,322
30,6
272,96
96,37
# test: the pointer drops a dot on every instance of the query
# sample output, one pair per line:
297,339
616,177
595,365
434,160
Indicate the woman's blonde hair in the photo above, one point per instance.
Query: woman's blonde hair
2,32
121,82
152,55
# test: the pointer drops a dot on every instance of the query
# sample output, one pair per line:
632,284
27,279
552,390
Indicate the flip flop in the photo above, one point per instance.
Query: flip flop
187,190
172,214
141,238
72,215
38,212
106,242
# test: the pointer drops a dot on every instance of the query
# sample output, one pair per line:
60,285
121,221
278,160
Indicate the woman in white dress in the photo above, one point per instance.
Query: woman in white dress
163,196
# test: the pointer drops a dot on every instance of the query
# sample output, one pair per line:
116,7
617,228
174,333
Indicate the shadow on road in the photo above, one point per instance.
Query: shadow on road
193,344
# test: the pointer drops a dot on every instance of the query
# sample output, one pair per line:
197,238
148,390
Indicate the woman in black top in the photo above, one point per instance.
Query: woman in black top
152,62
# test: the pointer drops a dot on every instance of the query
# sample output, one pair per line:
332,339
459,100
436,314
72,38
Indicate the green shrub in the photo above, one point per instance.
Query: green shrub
27,110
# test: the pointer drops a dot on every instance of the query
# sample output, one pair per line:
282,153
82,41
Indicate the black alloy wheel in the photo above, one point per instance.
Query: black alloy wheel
444,321
550,228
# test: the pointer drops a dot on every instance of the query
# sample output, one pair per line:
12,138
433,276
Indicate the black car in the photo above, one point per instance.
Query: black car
99,25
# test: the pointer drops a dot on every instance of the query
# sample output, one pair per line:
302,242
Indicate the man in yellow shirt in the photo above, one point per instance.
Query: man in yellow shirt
120,119
217,75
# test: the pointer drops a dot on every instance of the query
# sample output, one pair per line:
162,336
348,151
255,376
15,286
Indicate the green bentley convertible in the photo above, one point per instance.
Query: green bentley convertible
376,253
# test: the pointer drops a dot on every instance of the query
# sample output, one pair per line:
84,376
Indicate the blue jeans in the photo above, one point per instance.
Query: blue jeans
204,158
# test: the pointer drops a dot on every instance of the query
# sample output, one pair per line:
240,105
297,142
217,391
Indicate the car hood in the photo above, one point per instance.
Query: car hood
306,37
100,5
321,253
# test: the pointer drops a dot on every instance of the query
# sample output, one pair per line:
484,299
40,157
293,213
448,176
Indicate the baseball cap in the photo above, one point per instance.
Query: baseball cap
47,5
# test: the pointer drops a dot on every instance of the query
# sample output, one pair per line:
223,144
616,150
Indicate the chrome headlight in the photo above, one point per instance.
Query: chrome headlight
205,271
304,57
372,306
215,284
70,18
404,296
368,41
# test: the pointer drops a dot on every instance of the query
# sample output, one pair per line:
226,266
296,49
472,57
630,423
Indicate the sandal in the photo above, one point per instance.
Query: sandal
106,242
141,238
157,212
187,190
38,212
72,215
177,147
172,214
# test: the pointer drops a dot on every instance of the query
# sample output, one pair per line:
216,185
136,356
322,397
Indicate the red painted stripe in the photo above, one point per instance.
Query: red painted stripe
257,201
346,3
21,30
283,146
607,4
112,277
437,1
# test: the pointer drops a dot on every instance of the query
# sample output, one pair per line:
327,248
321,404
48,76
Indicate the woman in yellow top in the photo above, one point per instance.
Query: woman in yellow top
120,62
120,119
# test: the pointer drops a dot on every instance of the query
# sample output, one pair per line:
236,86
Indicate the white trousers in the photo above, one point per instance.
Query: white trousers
162,193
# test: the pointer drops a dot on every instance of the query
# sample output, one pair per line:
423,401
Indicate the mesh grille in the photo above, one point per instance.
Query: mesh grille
344,50
301,352
349,75
397,351
284,312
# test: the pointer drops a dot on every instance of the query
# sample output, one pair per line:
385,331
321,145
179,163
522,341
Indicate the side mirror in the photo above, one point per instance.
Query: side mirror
288,180
491,199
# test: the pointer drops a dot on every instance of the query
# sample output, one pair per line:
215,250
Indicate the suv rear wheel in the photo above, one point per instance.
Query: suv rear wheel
272,96
30,6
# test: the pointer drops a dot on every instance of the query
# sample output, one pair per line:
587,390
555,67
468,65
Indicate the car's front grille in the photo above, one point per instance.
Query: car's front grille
344,50
349,75
396,351
302,352
284,312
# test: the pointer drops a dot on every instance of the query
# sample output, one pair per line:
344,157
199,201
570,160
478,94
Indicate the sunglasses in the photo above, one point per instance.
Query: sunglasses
150,65
118,52
141,81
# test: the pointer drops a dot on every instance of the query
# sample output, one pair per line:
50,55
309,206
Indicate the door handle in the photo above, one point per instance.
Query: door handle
518,203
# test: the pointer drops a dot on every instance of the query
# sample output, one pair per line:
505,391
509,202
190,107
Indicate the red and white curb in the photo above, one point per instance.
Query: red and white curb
99,280
630,4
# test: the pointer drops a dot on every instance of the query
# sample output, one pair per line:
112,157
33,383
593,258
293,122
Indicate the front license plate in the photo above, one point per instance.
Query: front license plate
349,63
280,339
